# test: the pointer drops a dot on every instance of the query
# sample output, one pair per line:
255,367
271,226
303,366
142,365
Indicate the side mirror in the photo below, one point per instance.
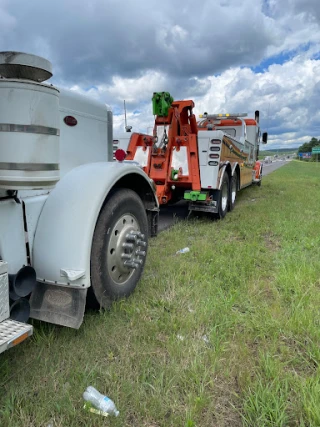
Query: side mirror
265,137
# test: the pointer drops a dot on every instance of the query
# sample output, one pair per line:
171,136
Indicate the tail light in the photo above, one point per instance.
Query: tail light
120,155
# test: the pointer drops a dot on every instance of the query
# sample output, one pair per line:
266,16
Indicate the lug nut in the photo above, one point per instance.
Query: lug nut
128,245
141,243
131,238
130,264
140,253
126,256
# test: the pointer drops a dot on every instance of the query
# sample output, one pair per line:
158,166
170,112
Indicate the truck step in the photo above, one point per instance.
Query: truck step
13,333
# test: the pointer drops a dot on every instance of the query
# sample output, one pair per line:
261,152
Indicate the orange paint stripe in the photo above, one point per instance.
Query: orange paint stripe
20,339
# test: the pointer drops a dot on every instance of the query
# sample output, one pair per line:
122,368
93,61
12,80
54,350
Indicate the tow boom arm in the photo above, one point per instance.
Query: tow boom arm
179,126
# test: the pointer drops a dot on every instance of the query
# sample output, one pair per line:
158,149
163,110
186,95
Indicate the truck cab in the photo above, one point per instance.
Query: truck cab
74,225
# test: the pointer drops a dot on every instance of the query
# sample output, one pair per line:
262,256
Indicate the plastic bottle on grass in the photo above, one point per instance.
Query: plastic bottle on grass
99,401
183,251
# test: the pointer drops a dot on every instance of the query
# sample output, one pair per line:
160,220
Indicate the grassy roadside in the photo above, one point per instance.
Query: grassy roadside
225,335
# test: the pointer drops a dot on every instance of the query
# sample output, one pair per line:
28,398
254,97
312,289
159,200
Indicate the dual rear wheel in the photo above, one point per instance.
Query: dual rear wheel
227,195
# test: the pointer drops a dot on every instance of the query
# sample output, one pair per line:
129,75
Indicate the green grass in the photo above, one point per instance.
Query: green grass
225,335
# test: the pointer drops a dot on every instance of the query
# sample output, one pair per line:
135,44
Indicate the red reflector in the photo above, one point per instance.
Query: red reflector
70,120
120,155
214,156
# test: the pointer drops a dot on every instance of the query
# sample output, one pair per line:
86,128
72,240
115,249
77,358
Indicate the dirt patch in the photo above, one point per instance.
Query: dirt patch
272,242
227,407
302,363
264,289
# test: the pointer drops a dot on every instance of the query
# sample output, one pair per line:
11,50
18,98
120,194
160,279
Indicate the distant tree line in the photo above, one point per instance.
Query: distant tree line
307,147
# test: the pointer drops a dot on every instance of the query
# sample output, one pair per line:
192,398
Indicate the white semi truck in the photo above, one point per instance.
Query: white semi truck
74,225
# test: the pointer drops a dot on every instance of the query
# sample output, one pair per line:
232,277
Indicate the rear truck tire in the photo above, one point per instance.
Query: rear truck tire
223,200
119,247
233,192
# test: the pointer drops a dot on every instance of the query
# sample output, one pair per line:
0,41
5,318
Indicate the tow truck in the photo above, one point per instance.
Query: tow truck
205,162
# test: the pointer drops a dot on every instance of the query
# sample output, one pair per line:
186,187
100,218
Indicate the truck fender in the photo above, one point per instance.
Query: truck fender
222,168
63,238
233,168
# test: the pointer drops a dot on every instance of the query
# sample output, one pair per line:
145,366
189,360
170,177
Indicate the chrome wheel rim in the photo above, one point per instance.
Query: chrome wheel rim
126,249
224,196
233,191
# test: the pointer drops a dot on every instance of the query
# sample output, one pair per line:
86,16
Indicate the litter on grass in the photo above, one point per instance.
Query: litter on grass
183,251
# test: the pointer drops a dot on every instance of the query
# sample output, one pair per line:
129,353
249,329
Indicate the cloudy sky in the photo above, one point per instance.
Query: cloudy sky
226,55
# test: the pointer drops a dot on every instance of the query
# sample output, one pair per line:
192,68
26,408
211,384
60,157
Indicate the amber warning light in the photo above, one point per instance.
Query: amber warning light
120,155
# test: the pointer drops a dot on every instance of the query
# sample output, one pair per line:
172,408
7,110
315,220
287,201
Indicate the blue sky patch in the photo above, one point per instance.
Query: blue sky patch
280,59
91,87
277,59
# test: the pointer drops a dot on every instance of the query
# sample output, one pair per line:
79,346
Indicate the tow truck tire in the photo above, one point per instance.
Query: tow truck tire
119,247
224,193
233,192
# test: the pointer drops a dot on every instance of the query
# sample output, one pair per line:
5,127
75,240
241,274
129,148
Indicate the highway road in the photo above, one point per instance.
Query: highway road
270,167
170,214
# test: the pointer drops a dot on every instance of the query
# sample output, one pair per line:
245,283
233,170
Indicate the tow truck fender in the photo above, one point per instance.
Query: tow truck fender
232,170
63,238
222,168
234,167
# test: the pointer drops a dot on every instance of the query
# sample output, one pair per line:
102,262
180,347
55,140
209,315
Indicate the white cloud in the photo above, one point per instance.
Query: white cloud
135,90
113,51
286,96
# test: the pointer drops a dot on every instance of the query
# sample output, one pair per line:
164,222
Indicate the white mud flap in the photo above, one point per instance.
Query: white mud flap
58,305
